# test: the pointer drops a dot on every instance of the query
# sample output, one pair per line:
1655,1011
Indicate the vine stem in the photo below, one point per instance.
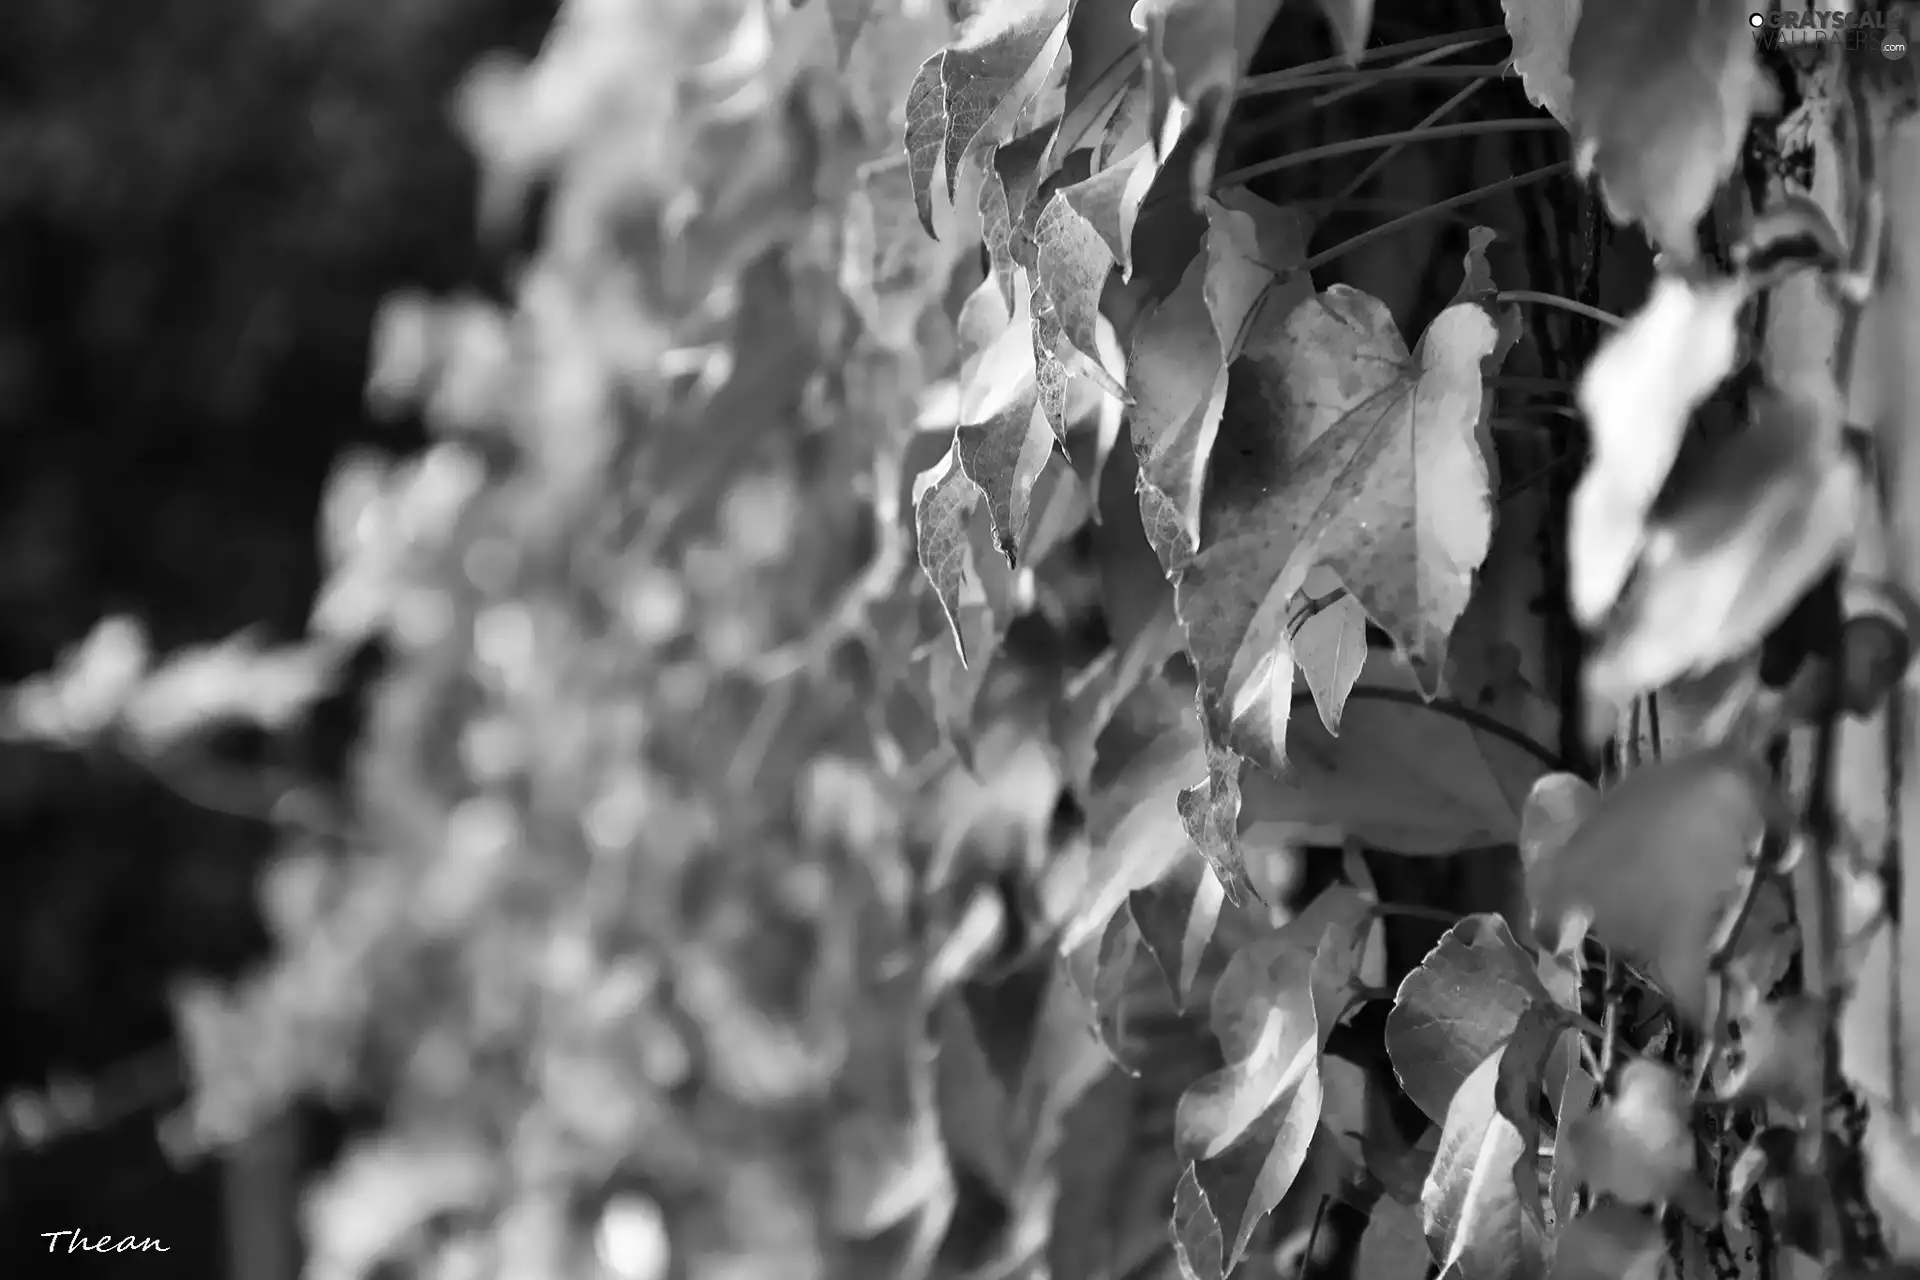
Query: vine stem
1453,42
1414,69
1333,253
1469,716
1565,304
1332,150
1432,118
1862,1241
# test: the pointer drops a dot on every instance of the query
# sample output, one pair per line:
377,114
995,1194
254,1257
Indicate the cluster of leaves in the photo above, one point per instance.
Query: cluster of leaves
896,944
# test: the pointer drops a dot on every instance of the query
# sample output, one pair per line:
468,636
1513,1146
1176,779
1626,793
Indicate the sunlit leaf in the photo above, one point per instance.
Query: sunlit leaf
1176,919
943,505
1205,45
1084,232
1134,834
1330,646
1245,1129
1457,1008
1178,369
1542,33
1472,1217
1354,454
1004,438
1352,21
1661,99
1006,191
987,75
1523,1071
1770,512
1210,814
1638,394
1556,807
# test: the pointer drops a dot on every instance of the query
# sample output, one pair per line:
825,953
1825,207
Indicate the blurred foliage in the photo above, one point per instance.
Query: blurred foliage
201,205
609,905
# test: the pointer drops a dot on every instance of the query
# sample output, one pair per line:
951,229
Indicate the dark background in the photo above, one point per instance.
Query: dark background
201,204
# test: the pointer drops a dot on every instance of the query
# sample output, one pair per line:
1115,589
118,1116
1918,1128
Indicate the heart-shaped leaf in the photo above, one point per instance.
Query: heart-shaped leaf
1657,865
1457,1008
1661,98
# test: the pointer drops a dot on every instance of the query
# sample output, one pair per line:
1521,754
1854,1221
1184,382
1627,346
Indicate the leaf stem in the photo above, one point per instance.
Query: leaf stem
1348,146
1563,303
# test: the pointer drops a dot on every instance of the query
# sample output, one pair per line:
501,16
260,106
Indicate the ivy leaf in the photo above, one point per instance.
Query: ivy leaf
1106,54
1542,32
1556,807
1474,1222
1523,1068
1393,1247
1330,645
1008,189
1763,517
1360,457
1263,1016
1178,369
1661,99
1204,46
943,505
1176,919
1084,232
1004,438
990,73
1638,394
1210,815
1638,1146
1245,1129
1352,22
1402,775
1657,865
1611,1241
1456,1008
1102,969
1134,835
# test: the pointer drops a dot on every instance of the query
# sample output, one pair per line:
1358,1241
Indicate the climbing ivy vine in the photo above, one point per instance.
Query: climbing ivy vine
944,633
